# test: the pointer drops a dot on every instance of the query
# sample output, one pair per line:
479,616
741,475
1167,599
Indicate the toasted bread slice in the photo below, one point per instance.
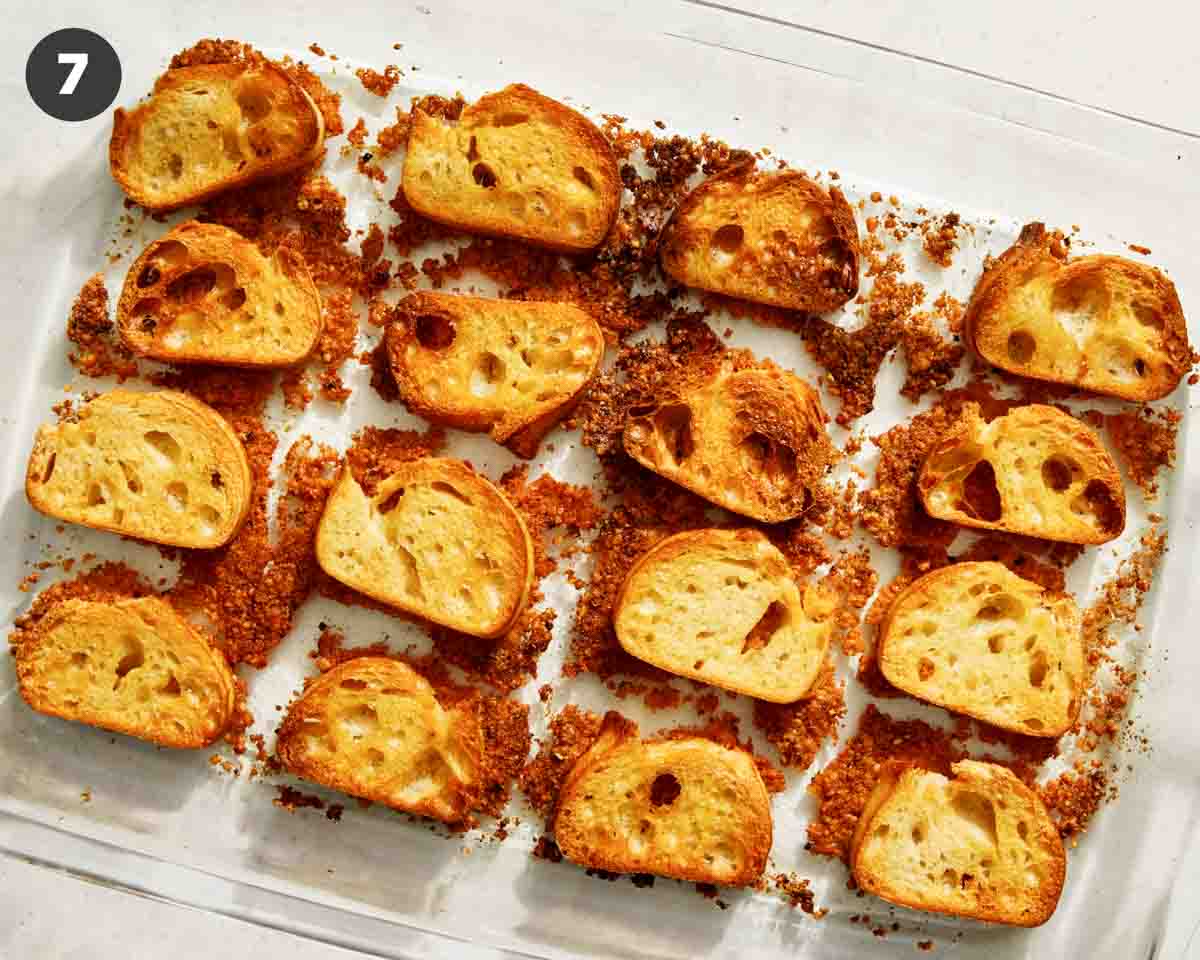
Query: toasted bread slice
977,639
372,727
776,238
211,128
750,440
436,540
1035,471
159,466
721,606
510,367
1100,322
980,845
514,164
203,294
683,807
131,666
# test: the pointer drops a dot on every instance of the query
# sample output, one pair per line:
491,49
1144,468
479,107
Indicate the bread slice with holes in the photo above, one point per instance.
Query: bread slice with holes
204,294
514,164
1101,322
771,237
436,540
133,666
748,437
977,639
1035,471
683,807
722,606
159,466
210,128
980,845
510,367
373,728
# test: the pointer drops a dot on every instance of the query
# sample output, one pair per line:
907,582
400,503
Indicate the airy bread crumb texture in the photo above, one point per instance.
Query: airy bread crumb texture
161,466
435,539
210,127
744,434
980,640
508,367
373,728
504,722
776,238
687,808
515,163
721,606
979,845
1100,322
556,514
202,293
129,664
251,589
1035,471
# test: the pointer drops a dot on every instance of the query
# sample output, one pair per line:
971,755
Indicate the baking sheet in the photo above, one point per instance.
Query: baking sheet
374,863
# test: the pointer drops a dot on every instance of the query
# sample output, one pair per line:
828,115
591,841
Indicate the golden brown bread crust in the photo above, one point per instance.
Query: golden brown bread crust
133,666
204,294
515,164
435,539
258,123
1101,322
683,807
372,727
721,606
94,470
748,436
992,645
512,368
1035,471
1010,903
776,238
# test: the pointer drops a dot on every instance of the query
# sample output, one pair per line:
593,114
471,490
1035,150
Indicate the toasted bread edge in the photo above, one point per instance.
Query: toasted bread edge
324,548
922,583
34,637
652,556
578,128
123,127
45,434
615,732
891,776
291,264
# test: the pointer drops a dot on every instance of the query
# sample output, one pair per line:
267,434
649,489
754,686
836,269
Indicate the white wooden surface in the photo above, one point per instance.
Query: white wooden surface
1142,65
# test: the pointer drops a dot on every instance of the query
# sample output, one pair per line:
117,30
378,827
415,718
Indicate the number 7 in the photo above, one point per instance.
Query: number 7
78,62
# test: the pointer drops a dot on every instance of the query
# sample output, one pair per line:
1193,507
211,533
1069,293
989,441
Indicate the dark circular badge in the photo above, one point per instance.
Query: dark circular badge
73,74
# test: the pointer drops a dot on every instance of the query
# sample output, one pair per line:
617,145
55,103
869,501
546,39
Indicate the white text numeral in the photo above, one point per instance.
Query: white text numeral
78,62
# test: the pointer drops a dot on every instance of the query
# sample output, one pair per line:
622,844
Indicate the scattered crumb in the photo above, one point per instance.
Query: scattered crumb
546,849
358,133
941,239
852,359
380,84
798,894
571,732
799,730
99,351
1145,439
291,799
